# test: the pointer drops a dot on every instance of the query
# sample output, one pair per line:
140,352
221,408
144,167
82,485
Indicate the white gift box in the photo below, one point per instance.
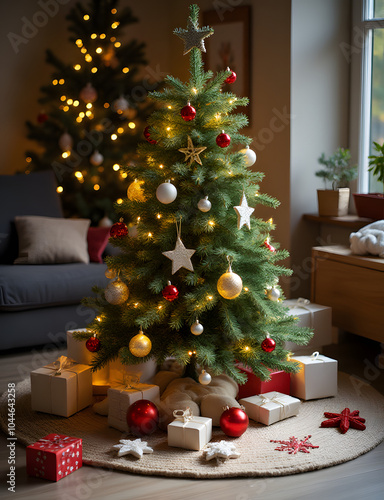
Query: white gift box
314,316
270,407
317,377
188,431
121,397
144,371
61,392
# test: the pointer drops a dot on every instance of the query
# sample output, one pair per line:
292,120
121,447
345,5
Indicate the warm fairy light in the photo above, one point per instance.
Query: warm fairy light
246,289
211,223
93,36
169,107
230,101
158,216
112,39
116,167
88,113
209,297
76,103
159,307
66,108
99,50
65,154
131,125
161,166
83,50
191,353
194,90
98,318
123,175
78,174
217,116
247,348
59,189
77,67
257,193
119,201
168,129
113,137
61,81
106,105
113,11
28,159
149,235
94,70
270,221
86,17
88,57
230,172
63,98
79,120
125,70
89,105
55,82
69,101
120,130
115,25
96,187
135,304
81,114
79,42
138,219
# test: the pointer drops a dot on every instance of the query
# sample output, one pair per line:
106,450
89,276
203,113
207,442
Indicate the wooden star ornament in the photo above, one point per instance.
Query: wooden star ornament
192,153
193,36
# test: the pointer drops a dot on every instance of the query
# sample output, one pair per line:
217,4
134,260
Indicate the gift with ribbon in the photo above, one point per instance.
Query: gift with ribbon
279,381
270,407
126,390
317,377
314,316
188,431
63,387
54,456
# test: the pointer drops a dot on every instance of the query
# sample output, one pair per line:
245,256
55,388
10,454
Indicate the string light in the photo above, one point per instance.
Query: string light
79,120
149,235
89,105
194,90
209,297
65,154
86,17
106,105
191,353
83,50
88,113
113,137
113,11
120,130
169,107
69,101
115,25
161,166
116,167
94,70
77,67
159,307
93,36
55,82
125,70
158,216
79,42
98,318
63,98
138,219
99,50
211,223
81,114
119,201
61,81
28,159
246,289
270,221
247,348
65,108
136,304
96,187
59,189
123,175
112,39
88,57
76,103
131,125
217,116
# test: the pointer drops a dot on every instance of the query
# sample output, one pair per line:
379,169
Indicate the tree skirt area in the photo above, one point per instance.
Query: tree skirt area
258,455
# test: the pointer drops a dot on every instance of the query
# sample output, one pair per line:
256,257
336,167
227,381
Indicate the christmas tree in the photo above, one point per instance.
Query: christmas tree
199,282
92,112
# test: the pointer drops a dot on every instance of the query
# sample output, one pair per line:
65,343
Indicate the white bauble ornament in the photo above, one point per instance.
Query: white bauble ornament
116,293
121,104
229,285
166,193
204,378
65,142
96,158
249,156
204,204
273,294
105,222
197,328
88,93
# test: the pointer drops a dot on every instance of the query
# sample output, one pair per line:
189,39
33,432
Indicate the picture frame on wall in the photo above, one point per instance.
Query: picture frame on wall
230,46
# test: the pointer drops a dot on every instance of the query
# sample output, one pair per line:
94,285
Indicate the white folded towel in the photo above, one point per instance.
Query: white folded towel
369,239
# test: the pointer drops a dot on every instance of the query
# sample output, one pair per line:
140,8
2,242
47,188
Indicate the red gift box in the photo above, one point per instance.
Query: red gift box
54,456
279,382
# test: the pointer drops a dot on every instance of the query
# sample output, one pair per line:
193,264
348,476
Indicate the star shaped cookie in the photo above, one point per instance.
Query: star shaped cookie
180,256
244,213
193,36
221,449
135,448
192,153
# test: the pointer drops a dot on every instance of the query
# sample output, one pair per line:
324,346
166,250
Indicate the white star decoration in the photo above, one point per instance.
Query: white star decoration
193,36
180,256
222,449
135,448
244,213
192,153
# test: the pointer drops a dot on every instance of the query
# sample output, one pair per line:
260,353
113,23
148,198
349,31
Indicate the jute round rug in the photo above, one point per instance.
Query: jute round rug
258,455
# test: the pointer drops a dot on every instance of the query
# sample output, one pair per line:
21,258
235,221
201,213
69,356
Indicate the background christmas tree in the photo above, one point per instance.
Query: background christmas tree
194,228
92,112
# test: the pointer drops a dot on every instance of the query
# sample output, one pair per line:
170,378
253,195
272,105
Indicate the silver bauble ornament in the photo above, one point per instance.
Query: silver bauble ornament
166,193
88,93
229,285
197,328
249,156
116,293
96,158
65,142
121,104
273,294
204,378
204,204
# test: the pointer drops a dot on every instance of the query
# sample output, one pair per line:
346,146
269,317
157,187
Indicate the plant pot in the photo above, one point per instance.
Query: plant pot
369,205
333,202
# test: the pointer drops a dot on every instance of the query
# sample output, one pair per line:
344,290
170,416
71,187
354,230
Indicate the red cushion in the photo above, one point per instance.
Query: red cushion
97,239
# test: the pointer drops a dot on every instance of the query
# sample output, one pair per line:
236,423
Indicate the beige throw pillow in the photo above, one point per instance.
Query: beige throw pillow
50,240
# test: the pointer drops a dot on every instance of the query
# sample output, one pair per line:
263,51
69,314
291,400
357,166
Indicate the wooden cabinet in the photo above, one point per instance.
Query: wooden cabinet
353,286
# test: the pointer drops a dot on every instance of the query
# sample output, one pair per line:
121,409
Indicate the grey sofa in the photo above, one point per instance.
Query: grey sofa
38,303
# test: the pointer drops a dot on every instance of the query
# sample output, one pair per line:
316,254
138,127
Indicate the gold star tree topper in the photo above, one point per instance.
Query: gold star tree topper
193,36
192,153
244,213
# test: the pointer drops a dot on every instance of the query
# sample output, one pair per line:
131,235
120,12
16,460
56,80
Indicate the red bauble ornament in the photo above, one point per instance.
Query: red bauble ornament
170,292
42,117
268,344
234,422
93,344
142,417
188,113
118,230
231,78
147,135
223,140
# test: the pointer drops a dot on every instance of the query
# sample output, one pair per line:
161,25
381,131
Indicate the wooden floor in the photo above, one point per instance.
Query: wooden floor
362,478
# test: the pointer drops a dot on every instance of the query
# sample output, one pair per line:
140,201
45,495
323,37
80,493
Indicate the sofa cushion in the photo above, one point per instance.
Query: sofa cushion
33,286
51,240
97,238
20,194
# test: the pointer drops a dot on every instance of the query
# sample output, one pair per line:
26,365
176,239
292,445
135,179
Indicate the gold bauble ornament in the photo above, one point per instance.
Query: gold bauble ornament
116,293
140,345
135,191
229,284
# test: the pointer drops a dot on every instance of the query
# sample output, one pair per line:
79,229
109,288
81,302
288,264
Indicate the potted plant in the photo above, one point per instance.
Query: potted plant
372,205
337,170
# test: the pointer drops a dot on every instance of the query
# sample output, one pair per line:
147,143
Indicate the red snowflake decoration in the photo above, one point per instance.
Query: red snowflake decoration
293,445
345,420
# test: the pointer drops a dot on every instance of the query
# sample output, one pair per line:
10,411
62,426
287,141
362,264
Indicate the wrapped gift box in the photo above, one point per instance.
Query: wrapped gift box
61,388
271,407
317,377
54,456
143,371
120,399
314,316
188,431
280,381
